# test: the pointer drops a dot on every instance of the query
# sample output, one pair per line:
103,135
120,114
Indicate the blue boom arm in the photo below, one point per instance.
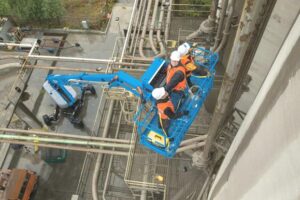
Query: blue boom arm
61,83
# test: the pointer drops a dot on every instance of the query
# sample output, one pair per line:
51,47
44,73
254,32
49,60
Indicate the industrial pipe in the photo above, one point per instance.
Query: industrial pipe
37,139
16,45
100,156
252,10
129,29
111,160
195,139
10,57
10,65
139,19
145,177
208,25
168,21
57,146
86,60
141,45
81,69
191,146
152,27
226,28
220,24
159,26
63,135
139,28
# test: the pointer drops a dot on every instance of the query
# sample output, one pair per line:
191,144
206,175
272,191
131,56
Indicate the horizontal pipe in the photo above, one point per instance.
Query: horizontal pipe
56,146
10,57
44,133
86,60
10,65
37,139
59,68
195,139
16,45
197,11
189,147
193,5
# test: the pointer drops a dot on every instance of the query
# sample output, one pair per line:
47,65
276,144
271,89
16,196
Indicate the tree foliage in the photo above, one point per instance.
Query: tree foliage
4,8
32,10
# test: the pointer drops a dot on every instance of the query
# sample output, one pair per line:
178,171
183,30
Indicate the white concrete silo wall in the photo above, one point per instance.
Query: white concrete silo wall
263,162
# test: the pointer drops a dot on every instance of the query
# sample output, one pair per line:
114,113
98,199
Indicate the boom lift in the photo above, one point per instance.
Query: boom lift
62,90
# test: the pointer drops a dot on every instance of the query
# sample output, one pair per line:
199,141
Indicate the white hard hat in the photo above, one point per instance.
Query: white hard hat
158,93
175,56
184,49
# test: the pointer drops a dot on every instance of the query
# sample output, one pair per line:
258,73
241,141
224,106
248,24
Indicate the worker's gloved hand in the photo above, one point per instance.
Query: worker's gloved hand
186,112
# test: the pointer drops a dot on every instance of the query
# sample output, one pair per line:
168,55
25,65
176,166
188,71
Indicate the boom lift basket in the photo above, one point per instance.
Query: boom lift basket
146,118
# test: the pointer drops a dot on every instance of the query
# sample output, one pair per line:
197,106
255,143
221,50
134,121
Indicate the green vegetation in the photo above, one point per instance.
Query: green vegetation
194,11
58,13
36,11
4,8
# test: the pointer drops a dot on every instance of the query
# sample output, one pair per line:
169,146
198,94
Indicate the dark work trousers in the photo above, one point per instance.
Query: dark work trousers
189,82
164,124
177,98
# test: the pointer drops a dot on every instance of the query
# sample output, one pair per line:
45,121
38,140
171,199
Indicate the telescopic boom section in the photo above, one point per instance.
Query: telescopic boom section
60,87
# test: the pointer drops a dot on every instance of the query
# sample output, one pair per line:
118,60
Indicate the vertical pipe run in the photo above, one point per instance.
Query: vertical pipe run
100,156
152,27
250,20
107,178
129,29
226,28
161,16
145,177
220,25
141,45
208,25
138,17
168,21
139,27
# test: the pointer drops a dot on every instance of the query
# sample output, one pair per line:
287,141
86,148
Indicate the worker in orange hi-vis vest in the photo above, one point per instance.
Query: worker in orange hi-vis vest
176,74
176,83
187,60
165,109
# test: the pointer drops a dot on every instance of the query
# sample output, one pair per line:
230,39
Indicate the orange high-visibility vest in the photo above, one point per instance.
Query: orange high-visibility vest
161,108
171,71
188,63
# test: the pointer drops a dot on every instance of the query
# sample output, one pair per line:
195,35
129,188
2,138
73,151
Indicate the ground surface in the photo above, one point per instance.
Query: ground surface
93,11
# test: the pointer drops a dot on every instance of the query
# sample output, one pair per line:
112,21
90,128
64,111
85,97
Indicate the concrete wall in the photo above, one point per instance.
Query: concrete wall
279,25
263,162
